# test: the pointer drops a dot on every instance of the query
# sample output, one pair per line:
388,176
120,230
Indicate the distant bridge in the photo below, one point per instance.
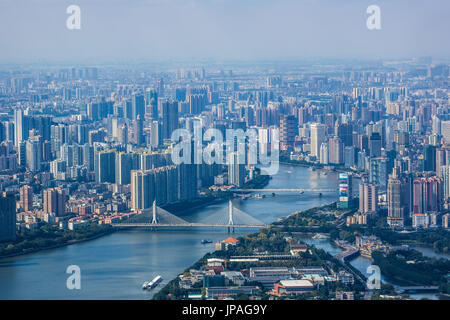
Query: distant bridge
235,218
417,288
286,190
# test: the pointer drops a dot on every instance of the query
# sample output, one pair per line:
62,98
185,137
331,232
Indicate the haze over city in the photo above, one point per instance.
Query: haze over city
149,30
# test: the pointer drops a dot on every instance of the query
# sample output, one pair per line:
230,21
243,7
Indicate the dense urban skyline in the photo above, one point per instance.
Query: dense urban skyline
258,150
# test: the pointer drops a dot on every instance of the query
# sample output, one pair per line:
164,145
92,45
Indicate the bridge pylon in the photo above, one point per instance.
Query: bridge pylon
154,220
230,216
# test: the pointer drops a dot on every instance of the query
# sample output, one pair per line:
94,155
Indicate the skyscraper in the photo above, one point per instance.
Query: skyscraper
324,153
137,106
317,138
21,128
151,97
288,131
336,150
375,145
34,154
169,118
429,158
142,189
123,168
139,138
236,170
368,198
155,134
105,166
395,200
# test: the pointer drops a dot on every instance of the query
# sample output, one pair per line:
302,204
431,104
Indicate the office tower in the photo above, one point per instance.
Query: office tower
288,131
139,138
345,190
324,153
169,118
142,189
317,138
26,198
236,170
345,132
7,217
34,154
104,164
152,103
55,201
375,145
368,198
396,201
21,126
137,106
429,158
336,151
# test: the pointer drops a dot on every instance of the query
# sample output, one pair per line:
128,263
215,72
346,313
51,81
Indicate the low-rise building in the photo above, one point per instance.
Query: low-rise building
292,287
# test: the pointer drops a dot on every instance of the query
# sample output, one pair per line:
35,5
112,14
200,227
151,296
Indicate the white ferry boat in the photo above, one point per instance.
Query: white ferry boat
152,284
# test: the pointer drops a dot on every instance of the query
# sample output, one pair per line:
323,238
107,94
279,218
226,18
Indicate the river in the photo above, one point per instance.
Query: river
116,265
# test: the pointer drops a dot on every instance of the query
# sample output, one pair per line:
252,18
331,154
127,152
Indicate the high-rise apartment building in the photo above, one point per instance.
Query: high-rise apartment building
236,170
55,201
368,198
26,198
288,131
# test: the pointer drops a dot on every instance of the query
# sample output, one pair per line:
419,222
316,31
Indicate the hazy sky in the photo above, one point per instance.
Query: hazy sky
131,30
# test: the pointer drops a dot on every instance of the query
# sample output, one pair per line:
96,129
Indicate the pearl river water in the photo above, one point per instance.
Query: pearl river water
115,266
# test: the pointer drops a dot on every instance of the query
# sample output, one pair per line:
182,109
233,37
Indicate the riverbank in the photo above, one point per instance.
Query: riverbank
38,244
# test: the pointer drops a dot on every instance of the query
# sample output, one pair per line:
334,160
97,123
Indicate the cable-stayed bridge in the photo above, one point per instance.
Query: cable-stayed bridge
155,217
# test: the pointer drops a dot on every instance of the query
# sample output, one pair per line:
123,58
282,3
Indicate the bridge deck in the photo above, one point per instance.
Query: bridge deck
187,225
285,190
